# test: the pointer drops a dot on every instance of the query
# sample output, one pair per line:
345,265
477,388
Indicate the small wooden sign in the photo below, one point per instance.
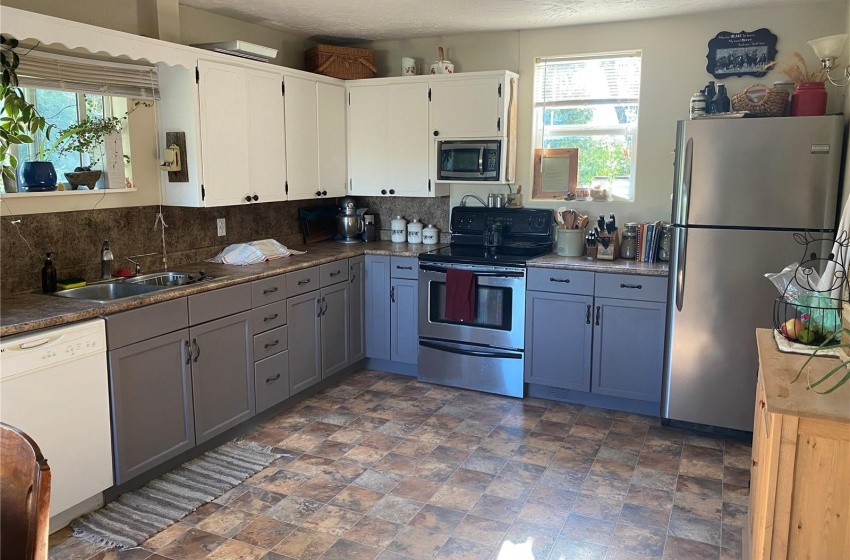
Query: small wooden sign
178,138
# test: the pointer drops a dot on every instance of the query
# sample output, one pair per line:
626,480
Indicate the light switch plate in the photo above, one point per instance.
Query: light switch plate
222,229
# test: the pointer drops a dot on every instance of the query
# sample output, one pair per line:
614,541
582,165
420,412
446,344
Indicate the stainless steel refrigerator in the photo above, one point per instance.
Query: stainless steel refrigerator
742,187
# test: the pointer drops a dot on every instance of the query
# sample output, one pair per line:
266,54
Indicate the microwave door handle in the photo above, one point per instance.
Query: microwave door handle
481,160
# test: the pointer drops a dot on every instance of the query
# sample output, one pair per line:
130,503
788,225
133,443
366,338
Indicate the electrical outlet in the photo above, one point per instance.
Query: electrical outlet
222,229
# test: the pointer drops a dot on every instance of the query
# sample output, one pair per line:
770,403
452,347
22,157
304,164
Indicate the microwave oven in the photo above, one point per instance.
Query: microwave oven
469,160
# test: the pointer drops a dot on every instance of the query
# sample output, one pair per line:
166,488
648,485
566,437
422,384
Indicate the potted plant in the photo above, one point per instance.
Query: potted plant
86,137
809,99
20,122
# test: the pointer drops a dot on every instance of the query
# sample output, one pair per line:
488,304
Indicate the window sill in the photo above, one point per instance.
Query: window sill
66,193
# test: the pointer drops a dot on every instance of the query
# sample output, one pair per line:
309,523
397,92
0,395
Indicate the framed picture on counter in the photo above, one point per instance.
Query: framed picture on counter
746,53
555,173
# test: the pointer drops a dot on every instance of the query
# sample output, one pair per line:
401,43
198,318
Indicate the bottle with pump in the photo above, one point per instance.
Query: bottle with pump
48,276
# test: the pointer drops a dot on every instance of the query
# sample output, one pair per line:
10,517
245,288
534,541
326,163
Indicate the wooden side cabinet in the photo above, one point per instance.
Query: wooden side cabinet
800,480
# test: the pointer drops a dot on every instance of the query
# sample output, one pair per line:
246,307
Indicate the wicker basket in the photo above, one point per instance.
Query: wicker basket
771,104
346,63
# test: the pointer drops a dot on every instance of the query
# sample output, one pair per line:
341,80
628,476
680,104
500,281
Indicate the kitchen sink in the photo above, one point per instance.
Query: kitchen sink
168,279
108,291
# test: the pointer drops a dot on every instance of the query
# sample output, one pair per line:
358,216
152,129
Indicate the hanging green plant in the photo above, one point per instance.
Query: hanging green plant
86,137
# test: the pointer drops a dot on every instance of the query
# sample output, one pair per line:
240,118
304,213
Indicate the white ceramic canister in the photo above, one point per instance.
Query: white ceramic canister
430,235
414,231
398,227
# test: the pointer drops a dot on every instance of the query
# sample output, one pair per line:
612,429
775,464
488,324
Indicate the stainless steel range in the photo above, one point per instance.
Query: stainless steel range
484,351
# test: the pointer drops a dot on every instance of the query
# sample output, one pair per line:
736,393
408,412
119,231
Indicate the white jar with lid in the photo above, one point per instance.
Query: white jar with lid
430,235
398,227
414,231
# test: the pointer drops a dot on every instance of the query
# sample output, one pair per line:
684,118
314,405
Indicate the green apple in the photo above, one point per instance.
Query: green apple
806,336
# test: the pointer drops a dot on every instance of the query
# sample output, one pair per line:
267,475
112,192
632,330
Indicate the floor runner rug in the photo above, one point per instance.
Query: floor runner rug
135,516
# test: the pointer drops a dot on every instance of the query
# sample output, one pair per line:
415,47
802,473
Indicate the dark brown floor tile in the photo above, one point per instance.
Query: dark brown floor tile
301,442
585,419
332,520
194,544
500,447
382,442
548,519
693,504
416,542
287,482
626,427
482,531
736,494
624,442
331,449
731,539
459,549
692,467
456,498
430,433
349,435
654,479
396,464
226,522
437,519
256,500
399,429
588,529
163,538
612,470
574,459
357,499
373,531
485,462
590,433
293,510
702,487
200,514
347,550
449,455
377,481
265,532
465,442
433,470
659,462
606,508
638,541
305,545
533,455
345,470
568,549
525,472
339,417
443,421
734,515
415,447
321,488
704,441
677,548
565,479
695,528
645,517
475,428
396,509
604,487
367,423
737,477
510,488
236,550
416,489
498,509
558,430
650,497
476,481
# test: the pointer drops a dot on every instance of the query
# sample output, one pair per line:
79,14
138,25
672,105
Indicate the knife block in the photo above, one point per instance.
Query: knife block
613,250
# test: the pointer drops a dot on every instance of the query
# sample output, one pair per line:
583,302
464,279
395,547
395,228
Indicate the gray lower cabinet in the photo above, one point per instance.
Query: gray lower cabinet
152,410
335,328
628,348
357,308
404,320
271,380
558,334
305,358
222,374
377,303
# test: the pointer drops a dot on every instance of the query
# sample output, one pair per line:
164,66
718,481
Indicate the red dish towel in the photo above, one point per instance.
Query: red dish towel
460,295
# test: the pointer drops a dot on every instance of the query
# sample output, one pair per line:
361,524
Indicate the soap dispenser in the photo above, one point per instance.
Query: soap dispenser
106,259
48,276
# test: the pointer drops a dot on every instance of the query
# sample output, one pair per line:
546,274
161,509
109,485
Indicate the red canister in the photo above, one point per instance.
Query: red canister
808,100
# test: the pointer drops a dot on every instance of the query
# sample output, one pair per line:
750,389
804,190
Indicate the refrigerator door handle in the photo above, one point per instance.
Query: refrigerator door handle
681,256
687,176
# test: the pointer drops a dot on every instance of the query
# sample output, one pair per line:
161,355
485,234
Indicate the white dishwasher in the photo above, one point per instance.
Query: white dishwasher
54,386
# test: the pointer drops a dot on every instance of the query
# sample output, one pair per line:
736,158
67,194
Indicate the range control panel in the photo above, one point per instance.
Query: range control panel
520,221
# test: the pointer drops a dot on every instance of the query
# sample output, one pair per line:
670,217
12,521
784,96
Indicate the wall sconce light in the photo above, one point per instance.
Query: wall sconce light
171,159
827,49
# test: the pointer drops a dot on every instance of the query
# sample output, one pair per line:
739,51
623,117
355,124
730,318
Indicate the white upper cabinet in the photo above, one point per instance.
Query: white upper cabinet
331,123
302,137
224,133
266,137
468,107
368,140
409,144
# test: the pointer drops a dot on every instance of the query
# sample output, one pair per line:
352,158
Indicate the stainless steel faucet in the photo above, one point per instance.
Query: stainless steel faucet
106,259
138,266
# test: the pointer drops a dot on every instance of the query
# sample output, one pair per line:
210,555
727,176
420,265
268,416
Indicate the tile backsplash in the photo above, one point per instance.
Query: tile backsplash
75,238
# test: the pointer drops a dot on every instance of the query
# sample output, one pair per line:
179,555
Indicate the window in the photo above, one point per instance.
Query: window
591,103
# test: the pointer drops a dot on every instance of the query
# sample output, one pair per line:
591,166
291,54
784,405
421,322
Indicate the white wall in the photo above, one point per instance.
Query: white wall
673,68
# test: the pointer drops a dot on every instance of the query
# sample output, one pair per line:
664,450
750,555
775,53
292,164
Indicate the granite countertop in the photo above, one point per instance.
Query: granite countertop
32,311
619,266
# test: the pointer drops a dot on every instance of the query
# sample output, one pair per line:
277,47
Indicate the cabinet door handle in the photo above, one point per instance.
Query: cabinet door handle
598,314
197,350
302,282
248,198
392,191
632,286
271,344
337,273
270,318
318,193
275,378
351,274
270,290
392,294
404,267
188,352
318,307
562,280
587,318
324,193
255,198
324,306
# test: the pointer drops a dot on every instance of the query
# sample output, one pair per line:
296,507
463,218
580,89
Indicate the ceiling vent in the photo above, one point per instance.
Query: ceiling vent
242,49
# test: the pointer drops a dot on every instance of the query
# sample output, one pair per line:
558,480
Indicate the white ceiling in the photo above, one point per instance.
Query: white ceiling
398,19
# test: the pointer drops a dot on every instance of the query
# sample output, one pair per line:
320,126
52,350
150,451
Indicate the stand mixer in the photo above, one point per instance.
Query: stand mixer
349,222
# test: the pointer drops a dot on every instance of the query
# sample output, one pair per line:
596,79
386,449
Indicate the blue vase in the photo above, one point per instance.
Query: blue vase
36,176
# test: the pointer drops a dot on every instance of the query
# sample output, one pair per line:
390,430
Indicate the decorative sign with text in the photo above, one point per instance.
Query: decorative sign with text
747,53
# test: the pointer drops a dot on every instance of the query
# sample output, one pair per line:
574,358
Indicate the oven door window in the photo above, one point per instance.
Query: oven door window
493,305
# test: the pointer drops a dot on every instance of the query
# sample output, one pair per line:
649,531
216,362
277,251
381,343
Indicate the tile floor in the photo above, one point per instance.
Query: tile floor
382,466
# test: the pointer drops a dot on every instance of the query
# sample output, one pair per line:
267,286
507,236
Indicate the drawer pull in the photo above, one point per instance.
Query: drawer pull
337,273
270,290
275,378
404,267
632,286
302,282
270,318
272,344
562,280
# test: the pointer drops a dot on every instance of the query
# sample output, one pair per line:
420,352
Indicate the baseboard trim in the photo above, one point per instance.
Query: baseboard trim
391,367
648,408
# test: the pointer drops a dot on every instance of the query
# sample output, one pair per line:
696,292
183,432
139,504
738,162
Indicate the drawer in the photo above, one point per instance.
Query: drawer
404,267
271,381
268,317
560,281
270,343
146,322
219,303
632,286
334,273
302,281
268,290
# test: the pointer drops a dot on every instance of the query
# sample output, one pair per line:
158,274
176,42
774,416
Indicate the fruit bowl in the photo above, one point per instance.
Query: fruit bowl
809,325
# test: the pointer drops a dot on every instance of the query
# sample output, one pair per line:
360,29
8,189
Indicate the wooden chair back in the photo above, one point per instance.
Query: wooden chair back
24,497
